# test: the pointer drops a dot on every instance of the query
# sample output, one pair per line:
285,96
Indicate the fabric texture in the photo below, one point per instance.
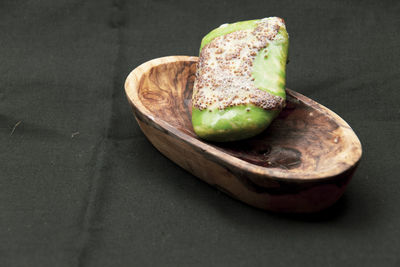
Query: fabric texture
80,185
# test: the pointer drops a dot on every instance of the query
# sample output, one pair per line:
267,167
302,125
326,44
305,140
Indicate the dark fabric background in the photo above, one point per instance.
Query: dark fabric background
80,185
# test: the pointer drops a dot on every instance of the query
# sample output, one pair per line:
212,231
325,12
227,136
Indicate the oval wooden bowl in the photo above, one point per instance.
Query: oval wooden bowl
301,163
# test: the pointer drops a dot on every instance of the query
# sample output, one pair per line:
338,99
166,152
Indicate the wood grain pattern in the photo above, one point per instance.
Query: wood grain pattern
301,163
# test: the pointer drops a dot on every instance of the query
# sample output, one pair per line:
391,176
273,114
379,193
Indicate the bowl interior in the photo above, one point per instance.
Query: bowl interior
302,139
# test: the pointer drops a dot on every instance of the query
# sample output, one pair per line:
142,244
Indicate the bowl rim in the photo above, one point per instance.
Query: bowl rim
132,83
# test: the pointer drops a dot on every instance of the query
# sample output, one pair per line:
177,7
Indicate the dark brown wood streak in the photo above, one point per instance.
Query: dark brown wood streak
301,163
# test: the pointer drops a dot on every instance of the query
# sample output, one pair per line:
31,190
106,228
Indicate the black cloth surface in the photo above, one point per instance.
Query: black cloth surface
80,185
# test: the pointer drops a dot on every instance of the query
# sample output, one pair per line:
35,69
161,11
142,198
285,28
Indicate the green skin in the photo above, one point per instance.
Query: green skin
244,121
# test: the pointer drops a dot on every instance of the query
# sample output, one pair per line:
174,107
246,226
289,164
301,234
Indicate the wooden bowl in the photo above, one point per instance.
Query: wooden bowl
301,163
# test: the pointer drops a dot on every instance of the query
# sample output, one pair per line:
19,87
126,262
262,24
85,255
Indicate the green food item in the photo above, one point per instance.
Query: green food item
240,80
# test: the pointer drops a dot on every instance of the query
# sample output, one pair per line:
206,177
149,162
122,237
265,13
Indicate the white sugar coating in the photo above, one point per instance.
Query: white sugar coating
223,77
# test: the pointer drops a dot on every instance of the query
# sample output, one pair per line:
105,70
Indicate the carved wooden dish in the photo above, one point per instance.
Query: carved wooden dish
301,163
